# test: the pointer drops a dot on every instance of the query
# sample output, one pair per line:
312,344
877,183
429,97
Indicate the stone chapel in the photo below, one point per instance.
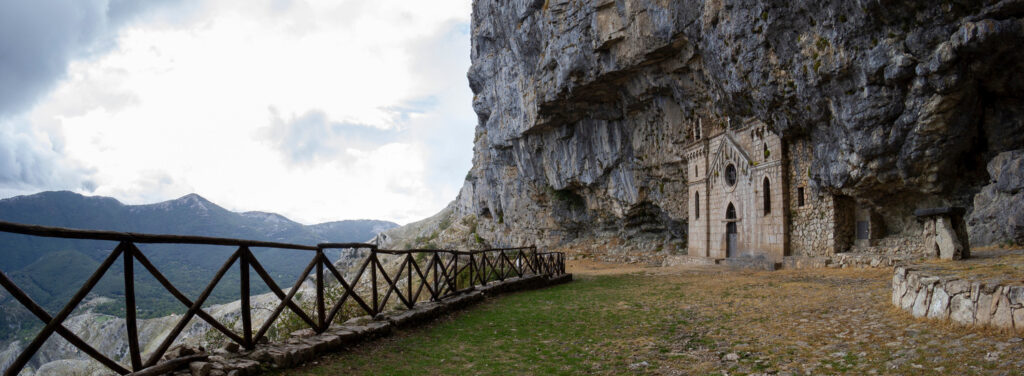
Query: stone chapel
749,197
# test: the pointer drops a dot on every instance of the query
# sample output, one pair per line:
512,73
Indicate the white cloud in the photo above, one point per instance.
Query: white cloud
312,137
182,106
30,158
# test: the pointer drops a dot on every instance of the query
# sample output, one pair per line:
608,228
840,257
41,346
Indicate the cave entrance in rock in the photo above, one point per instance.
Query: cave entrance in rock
730,231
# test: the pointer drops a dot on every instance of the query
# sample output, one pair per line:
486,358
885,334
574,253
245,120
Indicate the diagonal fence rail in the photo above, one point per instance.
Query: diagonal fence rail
421,275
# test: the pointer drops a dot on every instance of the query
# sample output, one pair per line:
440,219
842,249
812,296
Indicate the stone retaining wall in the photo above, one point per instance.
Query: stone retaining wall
847,260
305,345
839,260
961,301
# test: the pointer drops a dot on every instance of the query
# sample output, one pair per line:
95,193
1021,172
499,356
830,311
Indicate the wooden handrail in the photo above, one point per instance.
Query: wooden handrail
68,233
441,275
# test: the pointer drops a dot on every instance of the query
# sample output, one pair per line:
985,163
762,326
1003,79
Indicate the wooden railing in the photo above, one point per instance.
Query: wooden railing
436,272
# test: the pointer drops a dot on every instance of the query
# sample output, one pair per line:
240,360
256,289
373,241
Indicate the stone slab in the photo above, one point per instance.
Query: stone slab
755,263
461,301
677,260
423,311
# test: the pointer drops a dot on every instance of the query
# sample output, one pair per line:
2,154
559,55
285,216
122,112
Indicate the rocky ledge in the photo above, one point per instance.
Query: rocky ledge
979,292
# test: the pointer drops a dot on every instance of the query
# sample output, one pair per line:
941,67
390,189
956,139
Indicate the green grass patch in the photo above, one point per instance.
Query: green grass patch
581,327
690,322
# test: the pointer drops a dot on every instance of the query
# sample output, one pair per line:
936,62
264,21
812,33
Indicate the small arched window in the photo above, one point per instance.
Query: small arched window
696,205
767,196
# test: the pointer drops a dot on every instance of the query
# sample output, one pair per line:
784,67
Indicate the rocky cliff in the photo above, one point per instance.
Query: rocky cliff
584,106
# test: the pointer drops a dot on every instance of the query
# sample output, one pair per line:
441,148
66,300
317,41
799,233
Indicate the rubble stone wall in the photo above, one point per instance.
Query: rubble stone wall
964,302
812,226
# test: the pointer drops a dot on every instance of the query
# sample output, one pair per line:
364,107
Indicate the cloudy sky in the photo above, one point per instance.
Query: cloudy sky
316,109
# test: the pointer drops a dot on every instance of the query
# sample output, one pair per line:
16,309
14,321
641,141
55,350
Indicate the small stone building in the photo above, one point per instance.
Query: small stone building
750,197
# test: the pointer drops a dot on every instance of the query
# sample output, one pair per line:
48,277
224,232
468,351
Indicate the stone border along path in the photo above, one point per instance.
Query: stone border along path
986,304
305,345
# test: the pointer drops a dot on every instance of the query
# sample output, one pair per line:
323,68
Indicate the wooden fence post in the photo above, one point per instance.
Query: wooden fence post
321,309
130,308
243,269
373,281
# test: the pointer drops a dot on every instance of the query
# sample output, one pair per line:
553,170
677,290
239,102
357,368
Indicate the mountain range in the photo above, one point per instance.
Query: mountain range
51,270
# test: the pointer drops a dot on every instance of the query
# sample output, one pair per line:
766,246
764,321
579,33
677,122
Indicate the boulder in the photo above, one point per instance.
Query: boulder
998,216
200,368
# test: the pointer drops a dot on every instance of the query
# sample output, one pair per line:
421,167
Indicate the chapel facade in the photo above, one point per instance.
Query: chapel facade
749,196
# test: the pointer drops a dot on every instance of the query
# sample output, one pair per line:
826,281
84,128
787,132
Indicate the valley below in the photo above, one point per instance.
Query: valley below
51,270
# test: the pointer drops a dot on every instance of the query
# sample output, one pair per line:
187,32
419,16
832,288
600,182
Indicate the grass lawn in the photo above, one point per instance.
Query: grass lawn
678,321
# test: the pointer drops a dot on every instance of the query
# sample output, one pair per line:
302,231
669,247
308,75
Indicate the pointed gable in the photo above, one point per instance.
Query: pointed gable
729,152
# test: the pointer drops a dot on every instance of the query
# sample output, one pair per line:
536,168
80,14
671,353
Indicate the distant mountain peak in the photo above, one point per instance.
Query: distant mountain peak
193,197
194,202
190,214
268,217
58,195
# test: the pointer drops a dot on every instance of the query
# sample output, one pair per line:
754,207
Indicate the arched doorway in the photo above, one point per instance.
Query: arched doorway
730,231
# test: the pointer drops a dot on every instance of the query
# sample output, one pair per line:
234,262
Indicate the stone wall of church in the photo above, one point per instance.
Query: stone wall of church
697,212
766,231
759,233
718,201
697,234
769,233
810,231
815,229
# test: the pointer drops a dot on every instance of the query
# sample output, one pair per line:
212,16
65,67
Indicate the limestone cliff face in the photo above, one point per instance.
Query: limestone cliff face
998,216
584,106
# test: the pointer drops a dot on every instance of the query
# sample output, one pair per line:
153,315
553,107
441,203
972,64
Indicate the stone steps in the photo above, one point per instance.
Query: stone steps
756,263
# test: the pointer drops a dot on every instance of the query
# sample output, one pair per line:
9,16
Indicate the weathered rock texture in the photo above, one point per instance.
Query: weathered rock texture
998,215
584,106
946,235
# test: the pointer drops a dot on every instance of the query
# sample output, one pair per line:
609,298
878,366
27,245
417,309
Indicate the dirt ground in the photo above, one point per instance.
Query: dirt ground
817,321
696,320
591,267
